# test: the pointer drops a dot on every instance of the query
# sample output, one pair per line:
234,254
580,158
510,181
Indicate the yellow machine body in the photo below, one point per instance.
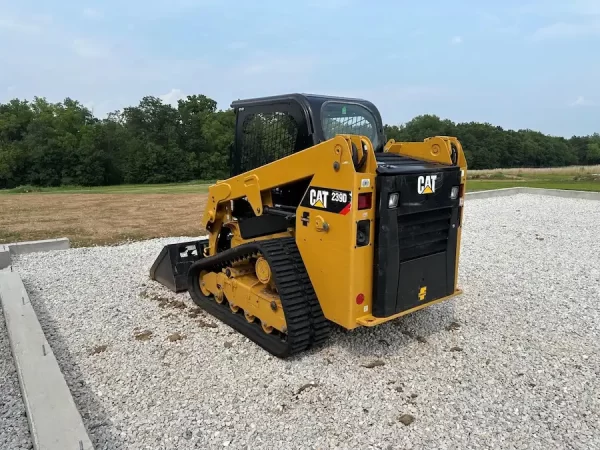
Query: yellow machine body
339,271
348,229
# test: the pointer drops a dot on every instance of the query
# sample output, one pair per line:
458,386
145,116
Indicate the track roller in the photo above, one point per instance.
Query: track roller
278,264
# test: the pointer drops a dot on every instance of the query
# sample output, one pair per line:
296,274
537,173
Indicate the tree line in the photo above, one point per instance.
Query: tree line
489,147
53,144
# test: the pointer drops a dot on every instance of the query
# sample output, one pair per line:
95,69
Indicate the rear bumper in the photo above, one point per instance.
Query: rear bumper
371,321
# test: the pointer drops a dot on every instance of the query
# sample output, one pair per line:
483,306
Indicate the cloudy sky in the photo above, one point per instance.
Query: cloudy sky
517,64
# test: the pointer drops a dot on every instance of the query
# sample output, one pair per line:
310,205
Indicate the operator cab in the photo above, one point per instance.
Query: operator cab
270,128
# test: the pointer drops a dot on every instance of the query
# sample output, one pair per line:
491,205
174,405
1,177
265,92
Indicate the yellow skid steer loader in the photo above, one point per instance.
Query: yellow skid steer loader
322,221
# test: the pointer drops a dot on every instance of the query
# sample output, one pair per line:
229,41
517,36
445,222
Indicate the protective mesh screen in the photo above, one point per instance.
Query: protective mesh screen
346,125
266,138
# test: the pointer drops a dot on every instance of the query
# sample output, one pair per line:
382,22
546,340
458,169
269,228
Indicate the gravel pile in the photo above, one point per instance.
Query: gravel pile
14,429
513,363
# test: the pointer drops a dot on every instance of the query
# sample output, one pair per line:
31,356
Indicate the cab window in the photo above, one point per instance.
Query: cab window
343,118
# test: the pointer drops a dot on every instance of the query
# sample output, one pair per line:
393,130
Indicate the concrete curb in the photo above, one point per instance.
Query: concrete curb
565,193
4,256
21,248
493,192
54,421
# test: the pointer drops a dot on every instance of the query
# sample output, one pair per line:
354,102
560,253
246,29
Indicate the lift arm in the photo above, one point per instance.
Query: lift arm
439,149
333,155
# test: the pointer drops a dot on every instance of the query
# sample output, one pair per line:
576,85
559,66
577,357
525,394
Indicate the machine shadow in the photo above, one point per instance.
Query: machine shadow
391,338
96,420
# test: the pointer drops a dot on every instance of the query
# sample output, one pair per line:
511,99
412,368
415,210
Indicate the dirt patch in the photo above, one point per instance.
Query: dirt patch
195,313
373,364
142,335
406,419
453,326
306,386
163,302
174,337
98,349
99,219
205,324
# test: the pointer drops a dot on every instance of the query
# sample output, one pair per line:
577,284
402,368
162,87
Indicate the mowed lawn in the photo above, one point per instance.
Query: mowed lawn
116,214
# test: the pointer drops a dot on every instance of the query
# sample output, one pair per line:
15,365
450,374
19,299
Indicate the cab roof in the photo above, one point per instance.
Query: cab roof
311,103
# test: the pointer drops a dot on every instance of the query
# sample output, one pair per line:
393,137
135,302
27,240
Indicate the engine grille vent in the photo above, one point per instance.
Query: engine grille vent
425,233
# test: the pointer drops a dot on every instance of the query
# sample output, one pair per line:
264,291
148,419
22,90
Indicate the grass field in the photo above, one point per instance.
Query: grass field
192,187
582,178
115,214
99,219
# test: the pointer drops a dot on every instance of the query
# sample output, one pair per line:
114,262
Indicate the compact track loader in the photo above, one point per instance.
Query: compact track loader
322,221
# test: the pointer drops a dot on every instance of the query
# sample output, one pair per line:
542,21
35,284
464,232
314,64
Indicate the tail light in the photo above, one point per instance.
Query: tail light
365,200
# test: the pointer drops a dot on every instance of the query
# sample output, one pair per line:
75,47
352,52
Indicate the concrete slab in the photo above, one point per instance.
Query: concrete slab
19,248
4,256
493,192
566,193
54,420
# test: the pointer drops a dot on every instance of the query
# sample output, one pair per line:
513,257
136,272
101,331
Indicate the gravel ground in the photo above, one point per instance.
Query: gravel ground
14,430
512,363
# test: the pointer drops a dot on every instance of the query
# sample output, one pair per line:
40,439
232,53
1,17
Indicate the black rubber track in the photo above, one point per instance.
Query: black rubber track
306,324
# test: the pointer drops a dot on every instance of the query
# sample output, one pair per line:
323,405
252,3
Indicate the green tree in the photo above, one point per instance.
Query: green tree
592,155
51,144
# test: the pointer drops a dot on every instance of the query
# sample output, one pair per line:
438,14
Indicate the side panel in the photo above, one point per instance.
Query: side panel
338,268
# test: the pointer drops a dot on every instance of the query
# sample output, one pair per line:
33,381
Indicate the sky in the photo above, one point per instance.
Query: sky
516,64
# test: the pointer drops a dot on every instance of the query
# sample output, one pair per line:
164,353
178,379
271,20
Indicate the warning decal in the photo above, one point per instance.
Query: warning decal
330,200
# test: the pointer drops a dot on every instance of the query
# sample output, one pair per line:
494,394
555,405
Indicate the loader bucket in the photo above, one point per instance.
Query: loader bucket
171,266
